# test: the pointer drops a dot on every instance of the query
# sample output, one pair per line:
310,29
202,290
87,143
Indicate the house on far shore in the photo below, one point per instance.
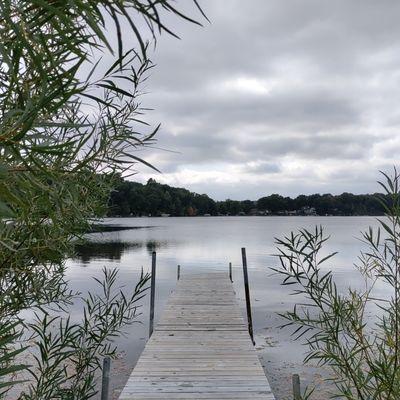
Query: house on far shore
292,213
257,212
308,211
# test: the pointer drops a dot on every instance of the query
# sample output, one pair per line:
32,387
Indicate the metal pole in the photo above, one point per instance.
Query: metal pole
296,387
247,292
179,272
230,272
105,380
152,291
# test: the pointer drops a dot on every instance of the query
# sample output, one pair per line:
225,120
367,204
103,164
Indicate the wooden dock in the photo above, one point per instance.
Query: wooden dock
200,349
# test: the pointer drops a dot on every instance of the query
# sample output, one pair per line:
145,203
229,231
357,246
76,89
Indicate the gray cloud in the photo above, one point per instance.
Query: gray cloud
262,167
272,90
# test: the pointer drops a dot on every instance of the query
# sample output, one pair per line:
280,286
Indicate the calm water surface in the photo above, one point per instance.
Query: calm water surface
209,244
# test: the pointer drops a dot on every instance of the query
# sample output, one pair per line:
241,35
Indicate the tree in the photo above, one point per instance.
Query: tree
247,206
68,127
273,203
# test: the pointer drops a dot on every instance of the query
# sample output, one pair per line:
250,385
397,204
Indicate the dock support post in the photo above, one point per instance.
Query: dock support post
152,292
296,387
247,292
105,379
230,272
179,272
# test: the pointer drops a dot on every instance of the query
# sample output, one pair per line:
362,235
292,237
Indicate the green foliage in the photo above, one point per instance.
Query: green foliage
69,124
343,204
9,333
133,198
155,199
362,350
70,356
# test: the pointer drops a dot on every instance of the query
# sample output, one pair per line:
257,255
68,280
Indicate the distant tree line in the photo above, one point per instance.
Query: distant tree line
153,198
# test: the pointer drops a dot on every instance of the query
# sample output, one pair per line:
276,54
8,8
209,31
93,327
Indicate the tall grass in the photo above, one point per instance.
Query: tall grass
363,352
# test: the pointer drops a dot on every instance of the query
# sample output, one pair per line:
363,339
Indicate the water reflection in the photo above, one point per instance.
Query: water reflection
95,228
154,245
209,244
112,250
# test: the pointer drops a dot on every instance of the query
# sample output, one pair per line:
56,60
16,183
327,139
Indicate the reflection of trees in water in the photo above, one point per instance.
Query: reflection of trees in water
112,251
105,250
115,228
153,245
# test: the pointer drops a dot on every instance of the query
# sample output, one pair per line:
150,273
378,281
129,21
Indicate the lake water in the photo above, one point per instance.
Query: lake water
209,244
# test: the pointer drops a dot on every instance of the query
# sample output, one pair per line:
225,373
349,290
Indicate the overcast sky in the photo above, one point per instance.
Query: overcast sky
289,97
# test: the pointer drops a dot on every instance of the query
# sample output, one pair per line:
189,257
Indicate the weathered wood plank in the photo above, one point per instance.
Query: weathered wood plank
200,349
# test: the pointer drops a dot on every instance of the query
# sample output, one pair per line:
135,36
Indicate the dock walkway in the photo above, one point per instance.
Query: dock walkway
200,348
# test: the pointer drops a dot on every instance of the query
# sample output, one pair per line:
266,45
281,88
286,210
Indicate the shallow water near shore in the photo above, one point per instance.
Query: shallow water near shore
209,244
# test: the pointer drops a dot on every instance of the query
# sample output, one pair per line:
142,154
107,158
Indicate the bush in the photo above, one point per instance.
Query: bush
362,351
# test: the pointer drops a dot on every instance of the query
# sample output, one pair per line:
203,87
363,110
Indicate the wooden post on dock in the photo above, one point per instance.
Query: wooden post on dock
105,380
179,272
296,387
230,272
247,292
152,291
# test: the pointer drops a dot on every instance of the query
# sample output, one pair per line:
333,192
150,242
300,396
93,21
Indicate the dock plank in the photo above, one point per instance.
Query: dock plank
200,349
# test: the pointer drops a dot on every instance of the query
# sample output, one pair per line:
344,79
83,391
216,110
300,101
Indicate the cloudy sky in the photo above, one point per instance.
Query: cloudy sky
289,97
